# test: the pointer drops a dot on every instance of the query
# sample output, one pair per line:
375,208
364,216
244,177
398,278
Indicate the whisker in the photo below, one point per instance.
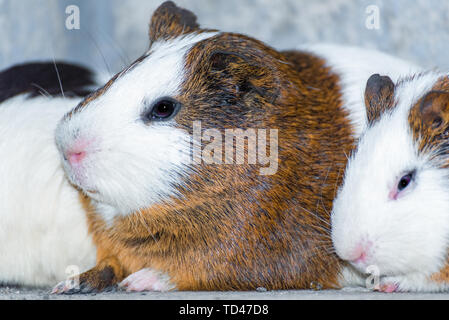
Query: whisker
59,78
42,90
315,215
336,182
321,194
121,53
100,52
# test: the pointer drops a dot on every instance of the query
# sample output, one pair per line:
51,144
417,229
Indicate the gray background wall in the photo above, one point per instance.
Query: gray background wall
114,32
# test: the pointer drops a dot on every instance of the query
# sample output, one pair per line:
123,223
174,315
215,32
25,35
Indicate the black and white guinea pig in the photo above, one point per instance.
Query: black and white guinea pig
391,213
43,229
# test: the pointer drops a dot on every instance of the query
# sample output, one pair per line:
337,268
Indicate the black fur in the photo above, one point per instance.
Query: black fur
42,79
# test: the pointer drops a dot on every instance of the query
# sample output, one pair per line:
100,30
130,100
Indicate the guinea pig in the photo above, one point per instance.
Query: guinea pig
43,227
391,213
161,219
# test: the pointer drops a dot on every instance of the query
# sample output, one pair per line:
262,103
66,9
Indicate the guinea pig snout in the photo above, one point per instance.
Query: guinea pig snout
361,254
75,157
76,152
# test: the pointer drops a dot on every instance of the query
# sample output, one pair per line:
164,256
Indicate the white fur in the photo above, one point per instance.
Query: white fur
43,228
132,165
409,235
354,66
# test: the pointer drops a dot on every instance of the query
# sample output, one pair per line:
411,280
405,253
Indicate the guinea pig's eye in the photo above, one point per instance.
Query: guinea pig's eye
404,182
163,109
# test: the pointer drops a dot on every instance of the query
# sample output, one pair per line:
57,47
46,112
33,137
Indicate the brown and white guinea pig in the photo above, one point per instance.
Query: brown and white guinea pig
43,228
392,211
161,221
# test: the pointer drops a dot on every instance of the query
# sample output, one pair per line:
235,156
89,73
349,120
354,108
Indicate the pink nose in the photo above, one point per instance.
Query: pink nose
76,157
361,258
360,253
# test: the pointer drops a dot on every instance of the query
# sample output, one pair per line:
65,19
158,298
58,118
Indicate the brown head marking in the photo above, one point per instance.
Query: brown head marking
429,121
232,79
433,109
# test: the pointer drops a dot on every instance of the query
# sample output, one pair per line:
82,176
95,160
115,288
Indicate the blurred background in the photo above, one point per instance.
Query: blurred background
113,33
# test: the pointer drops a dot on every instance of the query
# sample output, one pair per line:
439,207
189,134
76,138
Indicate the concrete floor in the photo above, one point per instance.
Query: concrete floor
19,293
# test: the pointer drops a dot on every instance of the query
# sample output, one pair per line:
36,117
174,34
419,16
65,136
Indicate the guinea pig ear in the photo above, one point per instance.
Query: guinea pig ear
169,21
248,74
379,94
434,109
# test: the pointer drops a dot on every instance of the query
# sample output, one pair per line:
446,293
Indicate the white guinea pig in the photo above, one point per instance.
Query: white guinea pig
391,213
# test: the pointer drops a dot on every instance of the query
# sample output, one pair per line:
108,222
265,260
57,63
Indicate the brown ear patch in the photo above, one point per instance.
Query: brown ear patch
379,94
429,121
433,109
170,21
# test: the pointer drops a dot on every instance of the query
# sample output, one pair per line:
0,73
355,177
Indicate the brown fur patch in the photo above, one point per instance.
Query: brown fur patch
429,122
442,276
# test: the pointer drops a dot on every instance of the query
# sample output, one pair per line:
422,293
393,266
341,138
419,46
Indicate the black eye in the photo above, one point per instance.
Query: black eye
405,181
163,109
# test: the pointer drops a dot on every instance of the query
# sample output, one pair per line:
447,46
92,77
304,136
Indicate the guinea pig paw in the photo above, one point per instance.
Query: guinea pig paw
147,280
62,287
100,279
388,285
414,283
71,287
